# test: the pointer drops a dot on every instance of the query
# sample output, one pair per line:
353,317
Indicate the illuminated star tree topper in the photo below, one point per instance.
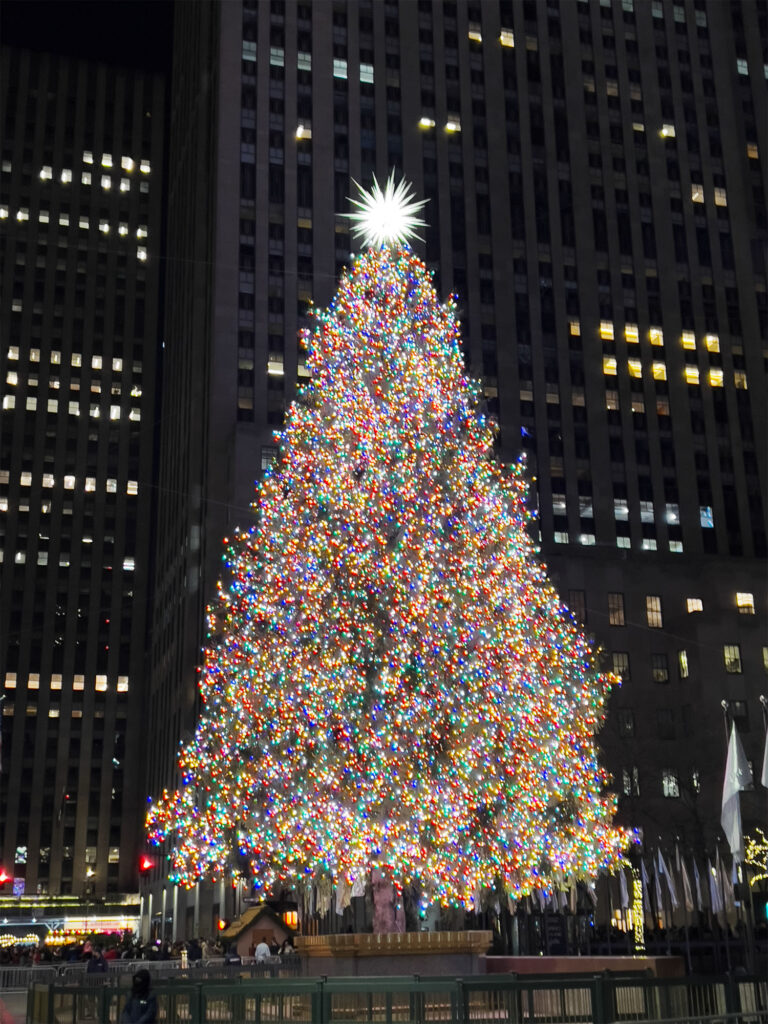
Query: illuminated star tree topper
391,685
387,218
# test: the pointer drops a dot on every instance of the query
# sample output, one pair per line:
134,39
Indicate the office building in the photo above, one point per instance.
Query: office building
596,176
80,230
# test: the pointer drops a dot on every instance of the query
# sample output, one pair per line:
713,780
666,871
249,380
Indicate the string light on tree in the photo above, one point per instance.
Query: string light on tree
390,682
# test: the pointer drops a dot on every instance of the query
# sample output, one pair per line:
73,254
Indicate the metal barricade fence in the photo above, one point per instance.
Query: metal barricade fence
14,977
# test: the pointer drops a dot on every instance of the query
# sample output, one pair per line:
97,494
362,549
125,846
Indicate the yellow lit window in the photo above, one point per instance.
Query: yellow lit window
631,333
106,182
697,193
303,131
635,368
106,160
752,151
638,126
575,327
474,33
606,330
426,122
656,336
659,371
712,341
694,604
692,374
720,197
667,131
126,163
688,339
10,680
101,683
740,380
122,684
745,603
452,125
78,682
716,377
56,681
609,366
507,37
144,167
132,487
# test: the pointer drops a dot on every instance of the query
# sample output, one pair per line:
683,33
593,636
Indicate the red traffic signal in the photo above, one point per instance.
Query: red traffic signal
146,863
4,876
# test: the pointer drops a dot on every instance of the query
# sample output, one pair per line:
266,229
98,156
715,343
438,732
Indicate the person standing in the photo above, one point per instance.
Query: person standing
262,950
141,1007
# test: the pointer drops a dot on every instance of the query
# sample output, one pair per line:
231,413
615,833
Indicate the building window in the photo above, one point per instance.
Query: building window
577,602
682,661
630,781
626,722
765,658
621,664
741,66
268,456
670,783
745,603
659,668
665,722
653,611
732,658
706,517
616,609
739,714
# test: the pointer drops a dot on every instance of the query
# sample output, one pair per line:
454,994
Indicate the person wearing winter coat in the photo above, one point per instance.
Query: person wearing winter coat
141,1007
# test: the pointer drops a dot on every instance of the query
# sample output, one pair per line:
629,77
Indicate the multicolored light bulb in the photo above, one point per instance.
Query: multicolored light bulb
390,681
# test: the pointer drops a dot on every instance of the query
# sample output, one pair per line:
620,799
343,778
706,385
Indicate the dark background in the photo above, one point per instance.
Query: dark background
134,33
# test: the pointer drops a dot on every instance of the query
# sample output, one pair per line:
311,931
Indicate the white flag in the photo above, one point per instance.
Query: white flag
764,776
737,777
623,889
685,879
664,870
646,895
697,885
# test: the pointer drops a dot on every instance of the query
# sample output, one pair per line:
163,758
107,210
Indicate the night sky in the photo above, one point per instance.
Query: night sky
132,33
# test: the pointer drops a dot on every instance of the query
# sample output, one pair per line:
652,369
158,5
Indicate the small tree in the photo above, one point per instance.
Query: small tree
391,684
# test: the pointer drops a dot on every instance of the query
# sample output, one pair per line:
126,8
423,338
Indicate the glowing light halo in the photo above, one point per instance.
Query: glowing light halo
388,217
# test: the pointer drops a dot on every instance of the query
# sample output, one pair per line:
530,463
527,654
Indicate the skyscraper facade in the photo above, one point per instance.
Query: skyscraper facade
80,230
597,200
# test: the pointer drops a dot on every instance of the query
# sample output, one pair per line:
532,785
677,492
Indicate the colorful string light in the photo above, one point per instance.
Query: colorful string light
390,681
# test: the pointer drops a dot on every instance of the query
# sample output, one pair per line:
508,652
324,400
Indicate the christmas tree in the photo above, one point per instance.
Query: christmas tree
390,682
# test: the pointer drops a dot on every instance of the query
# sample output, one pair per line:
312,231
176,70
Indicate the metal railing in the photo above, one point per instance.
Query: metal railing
487,999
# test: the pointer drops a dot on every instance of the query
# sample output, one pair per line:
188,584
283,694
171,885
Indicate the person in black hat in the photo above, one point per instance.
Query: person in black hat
141,1007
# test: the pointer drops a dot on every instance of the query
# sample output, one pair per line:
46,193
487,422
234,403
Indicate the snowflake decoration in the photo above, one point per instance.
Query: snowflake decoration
386,218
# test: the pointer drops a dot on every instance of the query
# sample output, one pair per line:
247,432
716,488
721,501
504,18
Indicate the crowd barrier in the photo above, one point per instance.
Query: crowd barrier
487,999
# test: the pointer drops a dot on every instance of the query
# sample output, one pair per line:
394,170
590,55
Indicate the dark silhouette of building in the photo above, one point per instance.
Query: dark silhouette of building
597,200
80,229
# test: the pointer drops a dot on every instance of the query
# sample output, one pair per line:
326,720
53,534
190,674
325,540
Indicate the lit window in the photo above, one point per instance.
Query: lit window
31,403
78,682
106,160
66,176
574,327
122,230
697,193
752,151
74,409
69,482
635,368
144,167
653,611
85,178
670,784
612,400
745,603
426,122
83,223
106,182
667,131
134,415
20,558
303,131
111,486
712,342
561,537
3,212
692,374
706,517
10,680
452,125
507,37
64,220
9,401
616,609
132,487
721,198
673,512
12,377
659,371
638,126
77,359
620,661
732,658
659,668
609,366
656,336
56,681
694,604
117,364
125,185
46,173
144,187
114,412
141,230
101,683
620,512
304,61
765,658
366,74
129,564
339,68
90,483
104,227
141,254
87,157
95,412
716,377
646,512
682,661
606,330
740,380
13,351
48,480
474,33
741,66
23,214
631,334
630,781
122,684
127,163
